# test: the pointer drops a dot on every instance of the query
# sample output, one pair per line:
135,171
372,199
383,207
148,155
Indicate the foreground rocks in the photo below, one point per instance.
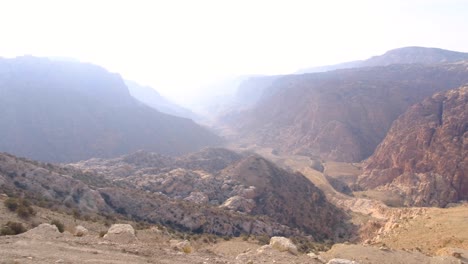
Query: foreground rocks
121,233
283,244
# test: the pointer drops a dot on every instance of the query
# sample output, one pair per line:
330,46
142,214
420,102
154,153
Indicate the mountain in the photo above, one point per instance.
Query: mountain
340,115
219,178
65,111
152,98
424,157
405,55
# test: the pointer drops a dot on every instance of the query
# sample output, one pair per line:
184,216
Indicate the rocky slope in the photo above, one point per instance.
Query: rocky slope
424,158
405,55
67,111
247,184
215,191
341,115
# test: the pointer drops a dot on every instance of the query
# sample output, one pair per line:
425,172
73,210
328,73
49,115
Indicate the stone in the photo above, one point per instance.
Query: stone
197,197
43,231
80,231
341,261
283,244
182,246
121,233
238,203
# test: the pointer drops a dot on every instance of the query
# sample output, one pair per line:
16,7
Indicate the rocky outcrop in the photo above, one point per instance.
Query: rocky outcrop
424,155
50,184
340,115
289,198
194,190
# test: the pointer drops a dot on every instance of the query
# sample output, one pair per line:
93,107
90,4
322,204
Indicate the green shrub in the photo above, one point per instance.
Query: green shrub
60,226
12,228
11,203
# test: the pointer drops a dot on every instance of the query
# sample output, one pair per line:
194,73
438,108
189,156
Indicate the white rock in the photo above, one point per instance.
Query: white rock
283,244
80,231
121,233
341,261
238,203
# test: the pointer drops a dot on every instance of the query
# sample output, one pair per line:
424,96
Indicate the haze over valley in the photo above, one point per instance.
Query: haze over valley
209,132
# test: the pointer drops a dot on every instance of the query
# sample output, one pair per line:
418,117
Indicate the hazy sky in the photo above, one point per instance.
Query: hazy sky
175,46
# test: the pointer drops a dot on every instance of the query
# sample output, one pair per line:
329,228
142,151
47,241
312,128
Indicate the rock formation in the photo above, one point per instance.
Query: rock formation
424,158
341,115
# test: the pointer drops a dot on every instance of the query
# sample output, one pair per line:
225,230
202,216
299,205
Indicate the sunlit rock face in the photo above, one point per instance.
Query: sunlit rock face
424,155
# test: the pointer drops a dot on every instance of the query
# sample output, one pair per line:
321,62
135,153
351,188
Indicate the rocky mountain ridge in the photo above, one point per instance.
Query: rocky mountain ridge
240,183
60,111
341,115
424,157
405,55
199,198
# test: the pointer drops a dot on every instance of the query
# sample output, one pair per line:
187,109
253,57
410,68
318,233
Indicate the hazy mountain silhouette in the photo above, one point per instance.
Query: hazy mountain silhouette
65,111
403,55
152,98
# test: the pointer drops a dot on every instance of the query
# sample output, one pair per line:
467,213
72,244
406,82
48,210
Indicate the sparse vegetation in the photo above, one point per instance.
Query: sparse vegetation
60,226
11,203
263,240
12,228
22,207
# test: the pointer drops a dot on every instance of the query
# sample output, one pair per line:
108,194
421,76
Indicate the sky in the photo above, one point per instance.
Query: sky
178,47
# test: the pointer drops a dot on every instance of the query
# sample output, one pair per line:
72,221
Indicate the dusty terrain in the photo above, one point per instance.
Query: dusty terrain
155,245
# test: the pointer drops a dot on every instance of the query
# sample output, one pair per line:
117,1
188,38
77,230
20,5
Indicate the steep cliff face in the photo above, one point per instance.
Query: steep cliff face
67,111
424,155
341,115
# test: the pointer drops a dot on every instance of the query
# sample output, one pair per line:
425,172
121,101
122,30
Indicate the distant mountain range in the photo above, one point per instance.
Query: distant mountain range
406,55
152,98
343,115
67,111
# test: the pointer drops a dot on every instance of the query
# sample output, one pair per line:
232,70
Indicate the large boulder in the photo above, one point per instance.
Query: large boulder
43,231
121,233
283,244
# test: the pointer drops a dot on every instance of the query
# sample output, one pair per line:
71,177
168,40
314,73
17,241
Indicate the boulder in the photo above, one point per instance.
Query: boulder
238,203
341,261
283,244
80,231
121,233
183,246
43,231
